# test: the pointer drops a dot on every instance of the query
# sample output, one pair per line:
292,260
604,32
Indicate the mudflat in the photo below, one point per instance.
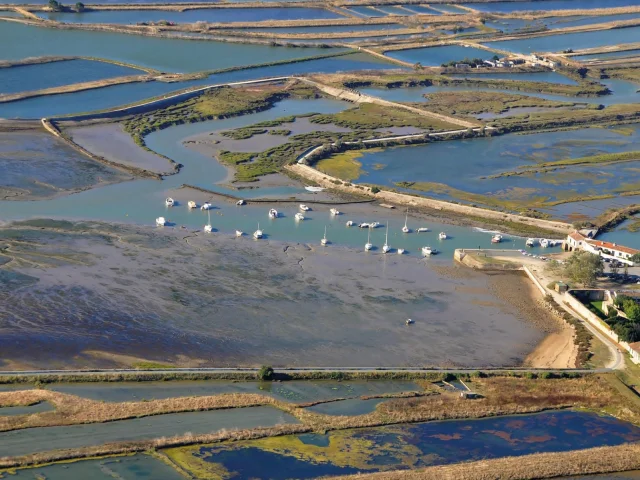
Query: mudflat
71,289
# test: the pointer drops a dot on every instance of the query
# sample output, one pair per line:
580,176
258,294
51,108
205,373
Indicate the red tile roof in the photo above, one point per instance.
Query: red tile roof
577,236
612,246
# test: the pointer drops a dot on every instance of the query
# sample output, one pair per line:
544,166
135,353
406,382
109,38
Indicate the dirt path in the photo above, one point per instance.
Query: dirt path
557,350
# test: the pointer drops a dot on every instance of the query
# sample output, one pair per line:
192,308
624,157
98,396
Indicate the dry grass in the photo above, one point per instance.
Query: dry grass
540,465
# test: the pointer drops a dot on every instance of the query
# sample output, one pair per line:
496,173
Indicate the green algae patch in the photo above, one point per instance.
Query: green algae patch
344,166
188,458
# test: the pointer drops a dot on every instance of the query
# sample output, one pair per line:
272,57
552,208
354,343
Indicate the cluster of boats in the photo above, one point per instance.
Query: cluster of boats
543,242
299,216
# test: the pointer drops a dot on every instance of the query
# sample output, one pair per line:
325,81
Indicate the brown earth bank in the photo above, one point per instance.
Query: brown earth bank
540,465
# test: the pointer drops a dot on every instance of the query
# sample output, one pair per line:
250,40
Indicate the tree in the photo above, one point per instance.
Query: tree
79,7
55,6
635,258
584,267
625,271
265,373
417,66
375,190
614,268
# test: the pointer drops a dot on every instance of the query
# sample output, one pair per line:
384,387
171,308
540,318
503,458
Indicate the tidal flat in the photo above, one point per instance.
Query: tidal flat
36,166
180,296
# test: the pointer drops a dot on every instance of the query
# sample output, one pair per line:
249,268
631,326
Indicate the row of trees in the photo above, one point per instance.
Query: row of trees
56,6
627,327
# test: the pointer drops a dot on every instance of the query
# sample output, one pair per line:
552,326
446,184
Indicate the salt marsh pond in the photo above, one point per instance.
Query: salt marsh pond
405,446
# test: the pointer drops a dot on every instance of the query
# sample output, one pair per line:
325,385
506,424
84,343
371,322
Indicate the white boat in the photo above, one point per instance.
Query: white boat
350,223
442,236
205,206
258,233
314,189
408,321
160,221
273,213
298,216
401,251
324,240
363,225
386,248
239,233
406,229
428,251
191,204
422,230
544,243
304,208
531,242
497,238
335,211
374,225
207,227
169,202
368,246
240,202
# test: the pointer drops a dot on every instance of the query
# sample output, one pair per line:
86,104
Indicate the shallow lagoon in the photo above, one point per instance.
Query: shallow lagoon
165,54
515,24
55,74
194,15
40,439
111,97
26,410
469,161
328,28
557,43
438,55
548,5
411,446
607,55
290,391
135,467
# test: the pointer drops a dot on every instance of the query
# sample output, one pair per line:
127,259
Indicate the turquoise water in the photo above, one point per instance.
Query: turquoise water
549,5
438,55
595,56
621,235
290,391
415,446
557,43
192,16
329,28
40,439
165,54
201,171
110,97
469,162
56,74
136,467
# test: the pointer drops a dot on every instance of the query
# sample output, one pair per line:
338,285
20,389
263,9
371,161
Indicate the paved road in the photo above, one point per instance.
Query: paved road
297,370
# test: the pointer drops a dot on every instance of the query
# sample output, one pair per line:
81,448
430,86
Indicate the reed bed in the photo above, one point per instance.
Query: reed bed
539,465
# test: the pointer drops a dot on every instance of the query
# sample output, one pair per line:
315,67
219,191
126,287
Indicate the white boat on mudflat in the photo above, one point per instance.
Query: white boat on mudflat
428,251
314,189
160,221
497,238
531,242
544,243
422,230
299,217
401,251
258,233
169,202
442,236
406,229
324,240
240,202
335,211
208,228
239,233
205,206
273,213
363,225
368,246
304,208
192,204
350,223
386,248
374,225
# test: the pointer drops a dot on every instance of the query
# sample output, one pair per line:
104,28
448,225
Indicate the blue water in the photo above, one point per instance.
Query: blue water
330,28
450,9
435,56
469,162
165,54
192,16
391,10
621,235
557,43
110,97
55,74
419,445
551,77
348,407
515,24
549,5
366,12
424,10
594,56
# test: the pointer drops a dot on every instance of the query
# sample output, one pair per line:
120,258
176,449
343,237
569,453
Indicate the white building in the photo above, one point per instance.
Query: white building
613,251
